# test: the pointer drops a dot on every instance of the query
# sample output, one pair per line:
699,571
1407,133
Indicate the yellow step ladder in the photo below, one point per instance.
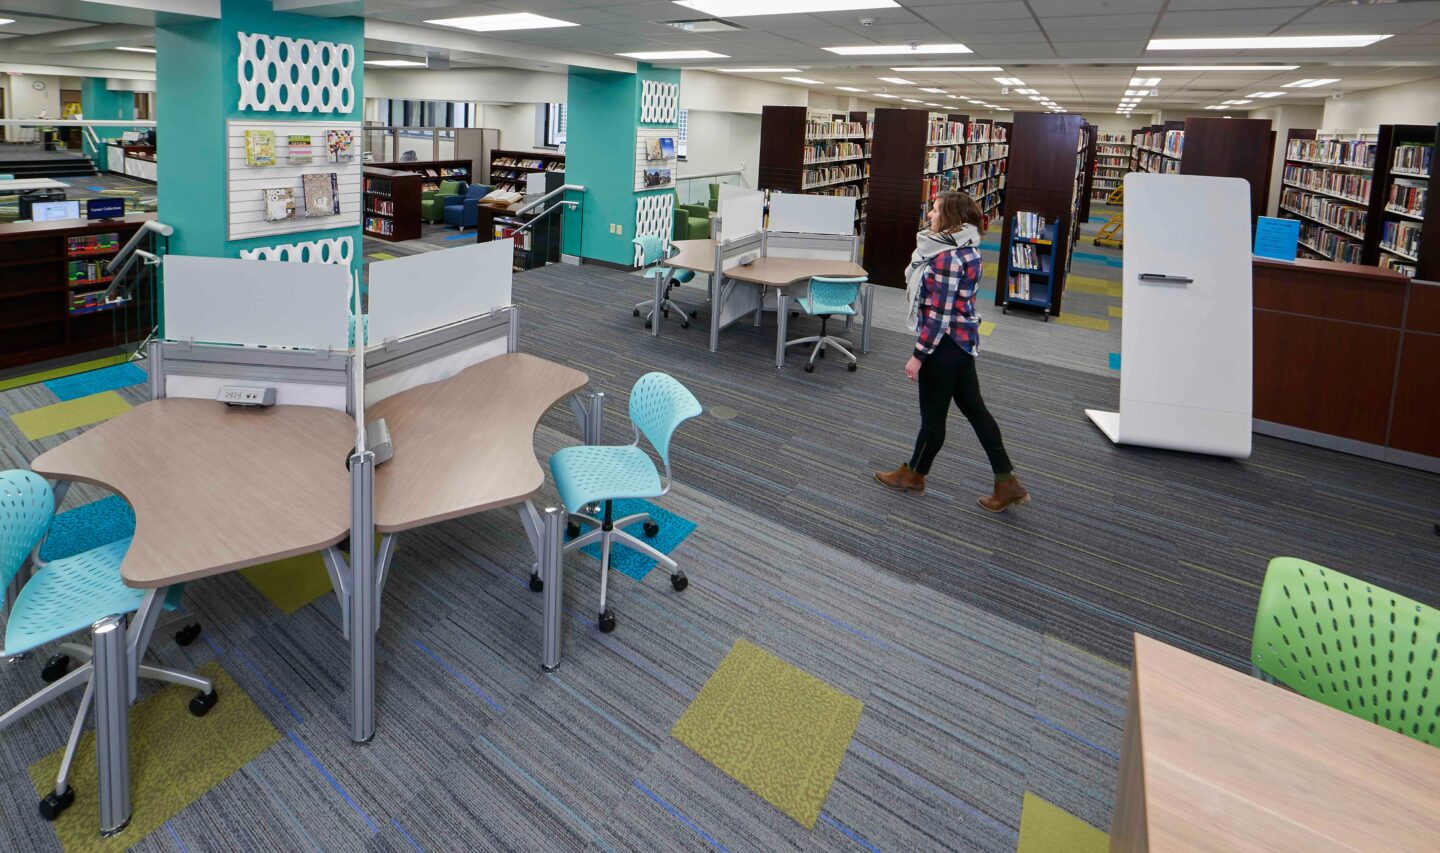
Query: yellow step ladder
1112,233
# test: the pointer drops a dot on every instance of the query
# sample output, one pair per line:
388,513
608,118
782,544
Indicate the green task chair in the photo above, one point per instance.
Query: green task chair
588,474
829,297
63,597
652,252
432,202
1350,645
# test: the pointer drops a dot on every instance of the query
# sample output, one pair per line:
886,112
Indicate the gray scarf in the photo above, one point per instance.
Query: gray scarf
928,245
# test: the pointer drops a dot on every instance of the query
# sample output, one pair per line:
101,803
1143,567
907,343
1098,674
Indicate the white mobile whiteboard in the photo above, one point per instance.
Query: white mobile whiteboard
257,303
422,292
812,214
741,213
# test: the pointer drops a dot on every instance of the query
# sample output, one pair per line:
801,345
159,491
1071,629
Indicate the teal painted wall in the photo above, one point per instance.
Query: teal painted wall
197,91
100,103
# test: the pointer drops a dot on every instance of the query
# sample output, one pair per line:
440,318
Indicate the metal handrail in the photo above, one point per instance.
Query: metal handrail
542,214
542,199
679,178
131,253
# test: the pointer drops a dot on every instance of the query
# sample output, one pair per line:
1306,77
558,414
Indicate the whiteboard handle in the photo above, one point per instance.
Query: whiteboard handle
1161,278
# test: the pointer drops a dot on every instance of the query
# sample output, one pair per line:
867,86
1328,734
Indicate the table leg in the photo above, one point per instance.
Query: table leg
782,323
868,303
717,296
552,571
659,281
111,680
364,607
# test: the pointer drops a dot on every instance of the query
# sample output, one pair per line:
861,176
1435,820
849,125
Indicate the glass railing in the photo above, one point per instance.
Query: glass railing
695,189
393,144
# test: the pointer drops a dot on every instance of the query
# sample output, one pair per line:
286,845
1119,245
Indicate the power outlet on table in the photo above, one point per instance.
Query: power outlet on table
246,395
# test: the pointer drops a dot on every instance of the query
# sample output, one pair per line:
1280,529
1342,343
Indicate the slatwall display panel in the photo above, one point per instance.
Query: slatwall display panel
246,185
670,165
654,214
659,102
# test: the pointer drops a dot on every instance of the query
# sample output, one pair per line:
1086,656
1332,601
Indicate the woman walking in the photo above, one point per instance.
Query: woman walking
942,278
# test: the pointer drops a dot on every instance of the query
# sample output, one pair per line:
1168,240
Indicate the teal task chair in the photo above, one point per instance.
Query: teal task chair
652,252
829,297
589,474
63,597
1350,645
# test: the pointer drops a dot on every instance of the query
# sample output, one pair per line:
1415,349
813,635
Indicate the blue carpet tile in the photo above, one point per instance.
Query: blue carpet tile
673,530
1114,361
97,381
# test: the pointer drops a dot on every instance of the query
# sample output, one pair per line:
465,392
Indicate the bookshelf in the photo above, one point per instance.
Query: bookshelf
510,169
52,277
432,172
1086,183
1159,148
987,156
391,203
1047,157
1407,233
1326,182
816,154
1112,160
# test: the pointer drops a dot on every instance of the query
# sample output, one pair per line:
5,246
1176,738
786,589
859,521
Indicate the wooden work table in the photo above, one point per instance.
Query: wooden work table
781,272
697,255
1215,759
467,444
216,488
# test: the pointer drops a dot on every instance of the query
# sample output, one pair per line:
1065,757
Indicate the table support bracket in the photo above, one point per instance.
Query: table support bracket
552,571
112,723
364,598
589,411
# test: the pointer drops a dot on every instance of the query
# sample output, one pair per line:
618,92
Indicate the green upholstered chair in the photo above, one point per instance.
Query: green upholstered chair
432,202
1350,645
692,221
714,198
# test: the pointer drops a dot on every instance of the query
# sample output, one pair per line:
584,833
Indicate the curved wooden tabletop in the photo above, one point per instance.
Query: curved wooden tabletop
778,272
697,255
467,443
216,488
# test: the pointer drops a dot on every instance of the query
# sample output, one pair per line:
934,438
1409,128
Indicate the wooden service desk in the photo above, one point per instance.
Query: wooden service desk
1215,759
467,444
216,488
1345,358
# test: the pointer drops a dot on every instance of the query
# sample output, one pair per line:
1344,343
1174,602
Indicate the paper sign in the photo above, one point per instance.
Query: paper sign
1277,239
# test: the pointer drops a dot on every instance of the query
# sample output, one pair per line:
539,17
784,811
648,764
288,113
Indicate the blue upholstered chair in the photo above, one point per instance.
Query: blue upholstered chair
433,202
61,598
652,252
588,474
461,212
829,297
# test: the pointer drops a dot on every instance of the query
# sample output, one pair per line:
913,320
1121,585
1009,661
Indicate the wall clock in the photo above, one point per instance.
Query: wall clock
38,85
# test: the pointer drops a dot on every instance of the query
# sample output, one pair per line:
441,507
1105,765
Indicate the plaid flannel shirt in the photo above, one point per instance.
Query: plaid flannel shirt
947,302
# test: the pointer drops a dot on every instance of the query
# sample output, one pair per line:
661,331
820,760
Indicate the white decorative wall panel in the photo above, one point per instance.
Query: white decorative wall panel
666,169
654,214
659,102
331,250
246,185
300,75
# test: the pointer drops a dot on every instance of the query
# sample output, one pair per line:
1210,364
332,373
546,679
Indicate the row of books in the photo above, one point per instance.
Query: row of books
847,190
1174,144
1150,139
978,171
1398,264
1407,197
1402,237
89,303
1357,153
376,225
1028,226
535,164
1112,139
1019,287
380,206
508,174
941,159
1024,256
505,229
1412,158
92,244
816,152
84,271
944,132
830,129
442,172
986,187
1330,244
979,153
984,131
1336,214
1352,185
511,185
835,174
1149,162
378,186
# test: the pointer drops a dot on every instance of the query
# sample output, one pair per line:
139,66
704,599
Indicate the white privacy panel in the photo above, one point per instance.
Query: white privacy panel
422,292
740,212
655,215
659,102
812,214
295,75
656,163
258,303
331,250
824,247
246,185
435,370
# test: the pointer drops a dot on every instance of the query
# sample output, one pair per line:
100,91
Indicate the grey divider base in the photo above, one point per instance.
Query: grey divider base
395,356
246,364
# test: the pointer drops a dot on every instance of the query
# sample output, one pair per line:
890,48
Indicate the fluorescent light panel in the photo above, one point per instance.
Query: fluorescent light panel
495,23
1009,81
675,54
759,70
851,89
878,49
912,100
4,21
805,80
932,90
1265,42
898,81
883,95
1027,91
127,49
1236,103
1264,94
746,8
395,63
1311,82
1218,107
1216,67
960,69
1145,82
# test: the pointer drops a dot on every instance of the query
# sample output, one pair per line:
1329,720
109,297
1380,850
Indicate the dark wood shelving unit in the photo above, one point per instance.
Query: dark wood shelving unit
1156,150
509,169
432,172
1088,179
1232,148
897,158
1110,150
795,147
49,304
537,246
392,203
1045,174
1425,262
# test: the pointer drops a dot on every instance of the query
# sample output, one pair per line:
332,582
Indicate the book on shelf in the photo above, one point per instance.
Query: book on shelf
377,225
1174,144
378,186
1412,158
835,174
92,244
820,152
1408,198
1025,256
1337,214
833,129
942,131
1028,226
1019,287
1401,238
1354,153
84,271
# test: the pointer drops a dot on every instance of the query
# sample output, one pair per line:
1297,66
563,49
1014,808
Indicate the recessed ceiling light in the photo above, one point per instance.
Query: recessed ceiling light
912,100
1027,91
874,49
1311,82
128,49
1216,67
744,8
1218,107
675,54
1036,98
898,81
1009,81
933,90
955,96
851,89
928,104
395,63
4,21
493,23
957,68
1147,82
805,80
1236,103
1259,42
883,95
759,70
1264,94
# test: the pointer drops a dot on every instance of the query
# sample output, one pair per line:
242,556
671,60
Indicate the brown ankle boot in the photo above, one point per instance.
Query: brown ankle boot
903,478
1007,492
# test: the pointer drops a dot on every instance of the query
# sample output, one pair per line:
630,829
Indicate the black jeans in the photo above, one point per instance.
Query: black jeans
948,374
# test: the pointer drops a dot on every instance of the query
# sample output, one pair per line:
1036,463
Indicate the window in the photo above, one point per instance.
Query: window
683,133
554,125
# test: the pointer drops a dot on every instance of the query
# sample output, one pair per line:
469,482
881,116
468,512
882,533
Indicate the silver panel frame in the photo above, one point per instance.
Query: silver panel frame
400,354
248,364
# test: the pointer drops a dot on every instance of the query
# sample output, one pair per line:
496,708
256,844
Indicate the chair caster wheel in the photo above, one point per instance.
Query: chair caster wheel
536,585
637,313
53,804
666,312
821,354
809,368
679,581
55,668
684,324
694,314
572,529
1004,310
187,635
651,529
607,621
647,324
794,314
852,367
203,702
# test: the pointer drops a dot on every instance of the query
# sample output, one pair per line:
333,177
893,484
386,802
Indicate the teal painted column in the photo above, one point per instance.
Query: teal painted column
602,114
101,104
198,91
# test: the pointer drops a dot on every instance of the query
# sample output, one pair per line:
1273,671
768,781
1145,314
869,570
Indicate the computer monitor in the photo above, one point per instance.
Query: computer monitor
104,208
51,211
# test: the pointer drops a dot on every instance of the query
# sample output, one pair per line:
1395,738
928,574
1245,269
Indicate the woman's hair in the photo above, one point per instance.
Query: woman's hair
958,209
